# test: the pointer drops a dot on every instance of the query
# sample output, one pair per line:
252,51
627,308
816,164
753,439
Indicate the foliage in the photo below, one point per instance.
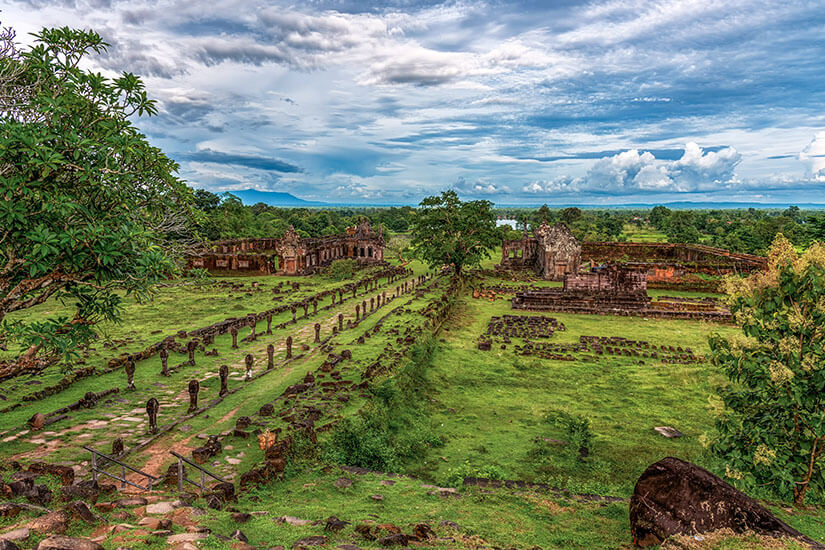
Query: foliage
571,214
447,231
455,476
772,431
342,270
392,430
659,216
86,199
681,228
576,430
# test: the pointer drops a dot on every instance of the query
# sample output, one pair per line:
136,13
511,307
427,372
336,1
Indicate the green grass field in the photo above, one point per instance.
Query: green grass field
493,412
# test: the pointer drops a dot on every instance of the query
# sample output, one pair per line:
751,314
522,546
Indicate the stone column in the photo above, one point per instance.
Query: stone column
191,346
372,304
357,312
234,332
249,361
289,347
270,359
224,374
293,310
314,307
194,388
269,324
364,307
152,407
340,322
130,374
164,362
317,332
306,309
253,321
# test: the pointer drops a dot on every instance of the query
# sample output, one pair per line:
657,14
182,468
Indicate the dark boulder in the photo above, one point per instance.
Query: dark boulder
87,490
67,543
397,539
65,473
674,497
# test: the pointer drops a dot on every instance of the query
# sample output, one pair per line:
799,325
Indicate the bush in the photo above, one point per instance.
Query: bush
549,461
364,441
341,270
393,429
576,430
455,476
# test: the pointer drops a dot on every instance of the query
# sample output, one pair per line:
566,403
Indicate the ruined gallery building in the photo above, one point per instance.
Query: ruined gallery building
553,252
292,254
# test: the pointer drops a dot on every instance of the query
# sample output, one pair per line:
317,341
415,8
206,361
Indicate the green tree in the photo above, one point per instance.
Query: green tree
681,228
206,201
446,230
659,216
571,214
83,192
815,228
772,431
792,212
543,214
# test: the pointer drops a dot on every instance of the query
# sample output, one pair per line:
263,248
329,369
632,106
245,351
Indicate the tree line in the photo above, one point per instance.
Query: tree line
749,231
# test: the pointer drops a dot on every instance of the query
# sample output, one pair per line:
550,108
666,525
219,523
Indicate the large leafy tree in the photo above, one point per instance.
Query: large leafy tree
84,197
448,231
772,430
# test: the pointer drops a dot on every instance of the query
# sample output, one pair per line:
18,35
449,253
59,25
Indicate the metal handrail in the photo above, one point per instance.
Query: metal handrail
204,472
123,467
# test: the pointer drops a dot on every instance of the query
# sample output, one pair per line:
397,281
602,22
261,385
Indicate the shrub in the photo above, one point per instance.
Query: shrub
341,270
772,432
455,476
393,429
576,430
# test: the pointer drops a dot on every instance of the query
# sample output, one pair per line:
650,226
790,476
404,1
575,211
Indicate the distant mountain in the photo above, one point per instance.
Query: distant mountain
678,205
287,200
273,198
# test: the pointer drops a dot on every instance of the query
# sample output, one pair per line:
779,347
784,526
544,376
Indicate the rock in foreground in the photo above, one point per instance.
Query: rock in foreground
67,543
674,497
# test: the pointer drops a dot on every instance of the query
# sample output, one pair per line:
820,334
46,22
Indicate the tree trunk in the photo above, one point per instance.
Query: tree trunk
26,362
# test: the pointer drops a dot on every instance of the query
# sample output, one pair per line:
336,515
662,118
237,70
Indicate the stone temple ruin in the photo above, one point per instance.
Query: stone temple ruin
551,252
614,289
611,288
292,254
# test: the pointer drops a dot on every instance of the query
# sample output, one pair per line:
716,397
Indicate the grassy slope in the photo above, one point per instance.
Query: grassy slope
488,408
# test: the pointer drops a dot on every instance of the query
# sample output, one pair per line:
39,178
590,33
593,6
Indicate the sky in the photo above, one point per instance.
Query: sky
518,102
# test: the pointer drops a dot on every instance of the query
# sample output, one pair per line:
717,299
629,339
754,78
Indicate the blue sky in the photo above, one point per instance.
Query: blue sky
517,102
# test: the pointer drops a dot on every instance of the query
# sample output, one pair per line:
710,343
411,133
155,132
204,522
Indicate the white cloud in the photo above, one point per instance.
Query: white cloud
814,155
696,170
699,170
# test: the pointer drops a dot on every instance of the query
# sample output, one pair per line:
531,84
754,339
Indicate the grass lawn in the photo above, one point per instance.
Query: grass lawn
493,410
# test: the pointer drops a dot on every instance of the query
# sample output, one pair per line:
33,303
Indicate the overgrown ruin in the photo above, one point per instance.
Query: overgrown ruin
553,252
292,254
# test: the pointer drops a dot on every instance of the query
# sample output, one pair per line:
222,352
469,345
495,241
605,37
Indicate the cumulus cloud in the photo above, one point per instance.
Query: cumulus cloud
477,187
698,169
632,171
814,155
563,184
419,92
